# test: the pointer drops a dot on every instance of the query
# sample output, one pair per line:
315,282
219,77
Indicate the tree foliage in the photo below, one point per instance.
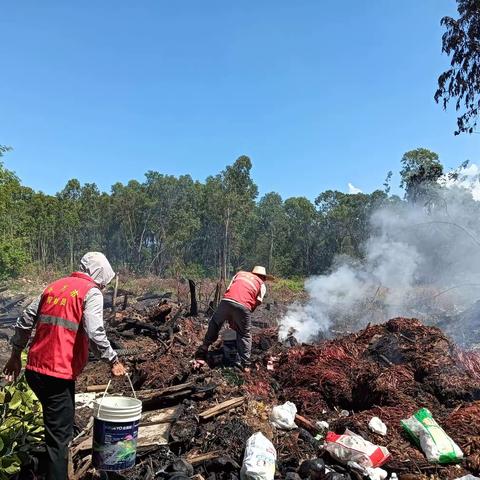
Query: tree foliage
167,225
461,81
21,426
420,171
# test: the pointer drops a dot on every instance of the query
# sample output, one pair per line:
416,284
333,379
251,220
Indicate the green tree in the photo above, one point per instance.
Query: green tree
269,231
420,172
69,212
174,221
130,213
345,223
228,205
13,247
301,220
461,81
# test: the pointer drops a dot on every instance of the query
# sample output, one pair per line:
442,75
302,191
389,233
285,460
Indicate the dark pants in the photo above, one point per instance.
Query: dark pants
57,397
239,319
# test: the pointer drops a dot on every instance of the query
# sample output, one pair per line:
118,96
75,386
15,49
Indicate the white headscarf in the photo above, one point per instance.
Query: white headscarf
96,266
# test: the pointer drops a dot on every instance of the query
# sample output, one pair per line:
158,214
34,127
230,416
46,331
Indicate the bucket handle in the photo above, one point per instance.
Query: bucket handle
108,386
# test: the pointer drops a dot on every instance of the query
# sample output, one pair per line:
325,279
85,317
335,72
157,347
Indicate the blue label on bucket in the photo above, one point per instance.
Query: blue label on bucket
114,444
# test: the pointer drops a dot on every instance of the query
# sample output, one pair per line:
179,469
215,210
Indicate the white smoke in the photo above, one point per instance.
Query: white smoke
416,253
466,177
352,189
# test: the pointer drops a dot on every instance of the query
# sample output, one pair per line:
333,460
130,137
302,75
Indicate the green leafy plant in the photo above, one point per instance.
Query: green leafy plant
21,426
232,377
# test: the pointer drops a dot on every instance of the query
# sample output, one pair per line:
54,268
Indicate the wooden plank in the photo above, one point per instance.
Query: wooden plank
151,435
203,457
87,463
84,445
162,392
164,415
221,408
114,298
96,388
306,424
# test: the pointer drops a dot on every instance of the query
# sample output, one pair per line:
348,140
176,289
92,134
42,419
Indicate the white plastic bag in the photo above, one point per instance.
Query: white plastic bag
351,447
370,472
435,443
283,416
377,426
259,460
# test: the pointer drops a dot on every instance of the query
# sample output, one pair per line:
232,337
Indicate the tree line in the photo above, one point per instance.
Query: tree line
173,226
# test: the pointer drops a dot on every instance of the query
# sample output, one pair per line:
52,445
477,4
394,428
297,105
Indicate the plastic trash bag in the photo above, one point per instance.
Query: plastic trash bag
312,469
351,447
430,436
259,460
377,426
283,416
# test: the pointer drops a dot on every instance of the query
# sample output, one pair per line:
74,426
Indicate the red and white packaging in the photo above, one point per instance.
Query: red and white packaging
351,447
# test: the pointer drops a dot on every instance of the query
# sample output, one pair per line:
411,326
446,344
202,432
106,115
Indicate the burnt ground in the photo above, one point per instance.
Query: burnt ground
388,370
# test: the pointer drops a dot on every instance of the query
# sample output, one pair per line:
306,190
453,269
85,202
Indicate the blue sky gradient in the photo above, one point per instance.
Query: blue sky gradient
318,93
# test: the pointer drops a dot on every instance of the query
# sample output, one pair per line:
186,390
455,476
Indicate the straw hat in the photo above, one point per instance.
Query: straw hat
261,271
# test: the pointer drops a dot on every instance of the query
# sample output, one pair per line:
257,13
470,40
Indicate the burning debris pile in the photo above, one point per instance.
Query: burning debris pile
388,371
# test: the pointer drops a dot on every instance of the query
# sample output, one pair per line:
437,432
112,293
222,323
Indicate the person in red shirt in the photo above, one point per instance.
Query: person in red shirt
68,317
244,294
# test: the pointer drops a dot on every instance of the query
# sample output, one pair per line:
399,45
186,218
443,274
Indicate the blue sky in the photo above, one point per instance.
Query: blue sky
318,93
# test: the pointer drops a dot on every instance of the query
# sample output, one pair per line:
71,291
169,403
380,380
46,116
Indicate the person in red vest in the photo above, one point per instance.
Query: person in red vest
244,294
67,316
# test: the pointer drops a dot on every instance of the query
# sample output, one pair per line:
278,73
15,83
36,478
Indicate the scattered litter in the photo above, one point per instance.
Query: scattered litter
435,443
85,399
352,447
283,416
377,473
377,426
322,425
312,469
259,460
337,476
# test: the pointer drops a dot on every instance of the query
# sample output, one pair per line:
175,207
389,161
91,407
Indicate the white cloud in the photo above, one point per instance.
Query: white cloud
352,189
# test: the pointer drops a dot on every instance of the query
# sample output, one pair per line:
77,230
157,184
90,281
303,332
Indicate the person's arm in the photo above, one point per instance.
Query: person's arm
93,323
23,330
24,326
95,330
261,294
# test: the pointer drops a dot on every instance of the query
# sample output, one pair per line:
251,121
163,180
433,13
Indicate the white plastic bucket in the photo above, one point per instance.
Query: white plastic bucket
115,432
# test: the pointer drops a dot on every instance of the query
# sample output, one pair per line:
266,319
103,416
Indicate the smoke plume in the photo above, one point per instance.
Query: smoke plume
421,260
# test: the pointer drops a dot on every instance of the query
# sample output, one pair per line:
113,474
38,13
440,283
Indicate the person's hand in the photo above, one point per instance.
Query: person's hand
13,367
118,369
198,364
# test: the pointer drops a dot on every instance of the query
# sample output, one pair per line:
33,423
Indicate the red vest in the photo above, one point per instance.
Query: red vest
60,345
244,289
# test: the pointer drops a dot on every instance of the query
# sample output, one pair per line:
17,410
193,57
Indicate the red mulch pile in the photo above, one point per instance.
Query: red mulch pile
389,371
